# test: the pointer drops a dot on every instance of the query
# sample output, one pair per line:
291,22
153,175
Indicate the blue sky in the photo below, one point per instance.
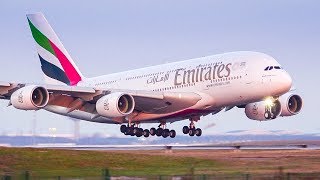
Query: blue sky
110,36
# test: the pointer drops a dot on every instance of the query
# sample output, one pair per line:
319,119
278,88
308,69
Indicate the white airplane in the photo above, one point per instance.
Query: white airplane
159,94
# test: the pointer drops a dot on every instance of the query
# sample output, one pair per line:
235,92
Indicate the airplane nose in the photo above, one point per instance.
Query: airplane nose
286,81
281,83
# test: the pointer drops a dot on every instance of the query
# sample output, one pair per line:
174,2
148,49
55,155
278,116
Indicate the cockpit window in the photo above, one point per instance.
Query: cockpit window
277,67
272,67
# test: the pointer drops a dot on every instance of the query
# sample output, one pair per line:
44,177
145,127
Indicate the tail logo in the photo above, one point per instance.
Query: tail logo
69,74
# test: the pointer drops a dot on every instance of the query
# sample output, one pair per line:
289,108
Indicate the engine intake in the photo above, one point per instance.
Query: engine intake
30,98
291,104
115,105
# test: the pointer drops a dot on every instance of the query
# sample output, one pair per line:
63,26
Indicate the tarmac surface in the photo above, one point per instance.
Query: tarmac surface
260,145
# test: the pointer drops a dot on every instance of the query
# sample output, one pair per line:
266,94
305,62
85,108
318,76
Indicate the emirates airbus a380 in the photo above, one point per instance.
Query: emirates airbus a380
159,94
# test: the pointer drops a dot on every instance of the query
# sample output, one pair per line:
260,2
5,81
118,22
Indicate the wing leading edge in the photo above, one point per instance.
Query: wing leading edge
76,98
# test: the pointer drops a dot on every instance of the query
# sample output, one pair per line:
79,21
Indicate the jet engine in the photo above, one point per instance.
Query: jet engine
264,110
291,104
115,105
30,97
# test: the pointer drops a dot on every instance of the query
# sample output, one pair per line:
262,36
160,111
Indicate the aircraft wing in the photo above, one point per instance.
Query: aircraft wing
6,89
145,101
163,102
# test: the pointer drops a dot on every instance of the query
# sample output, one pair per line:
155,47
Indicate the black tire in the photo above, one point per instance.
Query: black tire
198,132
123,128
165,133
185,129
172,133
129,131
139,132
146,133
159,132
153,131
126,133
191,132
267,115
136,130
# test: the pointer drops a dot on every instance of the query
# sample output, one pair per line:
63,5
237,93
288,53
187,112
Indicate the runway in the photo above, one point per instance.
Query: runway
253,146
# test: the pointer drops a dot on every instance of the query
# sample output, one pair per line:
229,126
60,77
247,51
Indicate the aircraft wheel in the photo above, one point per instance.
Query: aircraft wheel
123,128
185,129
146,133
153,131
198,132
172,133
139,133
136,130
267,115
165,133
191,132
159,131
129,131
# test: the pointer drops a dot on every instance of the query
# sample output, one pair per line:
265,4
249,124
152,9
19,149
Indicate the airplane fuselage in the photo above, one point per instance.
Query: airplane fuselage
223,80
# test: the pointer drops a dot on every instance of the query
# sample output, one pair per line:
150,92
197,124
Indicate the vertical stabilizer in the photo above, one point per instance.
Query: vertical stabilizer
56,63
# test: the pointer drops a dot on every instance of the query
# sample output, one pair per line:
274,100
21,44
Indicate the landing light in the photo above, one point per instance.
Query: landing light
269,101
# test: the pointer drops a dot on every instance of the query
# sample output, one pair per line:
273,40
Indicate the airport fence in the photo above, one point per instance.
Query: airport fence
105,175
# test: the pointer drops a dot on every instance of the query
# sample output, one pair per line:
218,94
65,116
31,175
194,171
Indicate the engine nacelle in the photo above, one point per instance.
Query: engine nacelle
263,110
291,104
115,105
30,98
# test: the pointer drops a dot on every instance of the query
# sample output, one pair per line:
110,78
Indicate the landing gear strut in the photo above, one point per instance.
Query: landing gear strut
192,130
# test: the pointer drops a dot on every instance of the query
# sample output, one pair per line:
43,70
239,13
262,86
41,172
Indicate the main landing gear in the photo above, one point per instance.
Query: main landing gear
133,130
162,131
192,130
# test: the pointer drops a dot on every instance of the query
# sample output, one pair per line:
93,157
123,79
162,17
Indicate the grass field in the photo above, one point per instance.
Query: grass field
49,162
